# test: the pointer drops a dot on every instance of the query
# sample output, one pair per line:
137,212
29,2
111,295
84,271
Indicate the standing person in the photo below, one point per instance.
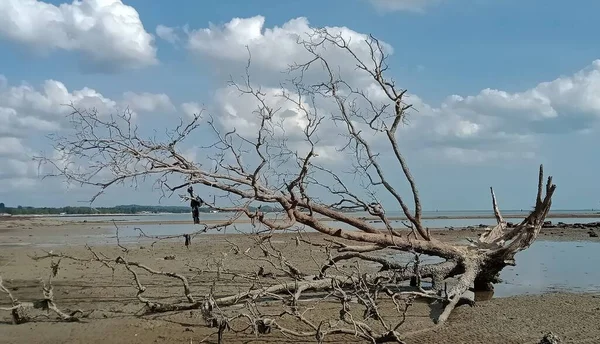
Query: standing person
195,203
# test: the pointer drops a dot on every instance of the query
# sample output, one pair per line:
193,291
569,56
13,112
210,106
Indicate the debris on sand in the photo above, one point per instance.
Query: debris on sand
550,338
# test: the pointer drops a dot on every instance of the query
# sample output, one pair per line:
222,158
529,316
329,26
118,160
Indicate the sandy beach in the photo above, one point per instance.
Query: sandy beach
108,298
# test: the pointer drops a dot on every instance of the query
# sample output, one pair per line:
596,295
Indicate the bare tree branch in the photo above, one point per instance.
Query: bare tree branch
274,166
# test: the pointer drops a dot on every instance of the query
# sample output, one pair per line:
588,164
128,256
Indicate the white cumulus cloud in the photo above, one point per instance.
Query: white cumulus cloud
108,33
272,50
492,123
49,102
565,104
28,113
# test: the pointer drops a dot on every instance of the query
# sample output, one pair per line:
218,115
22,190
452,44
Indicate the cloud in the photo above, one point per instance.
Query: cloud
16,160
565,104
238,111
147,102
191,109
25,104
272,50
495,124
11,147
108,33
16,125
19,172
403,5
169,34
474,156
22,104
28,114
48,103
492,124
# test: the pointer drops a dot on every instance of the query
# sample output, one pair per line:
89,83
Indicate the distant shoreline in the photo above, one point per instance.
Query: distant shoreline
507,216
154,219
358,215
427,215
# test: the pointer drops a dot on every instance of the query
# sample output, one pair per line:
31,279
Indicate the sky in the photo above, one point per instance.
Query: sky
497,87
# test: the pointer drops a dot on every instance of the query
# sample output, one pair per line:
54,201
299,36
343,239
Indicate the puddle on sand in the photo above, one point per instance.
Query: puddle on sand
553,266
546,266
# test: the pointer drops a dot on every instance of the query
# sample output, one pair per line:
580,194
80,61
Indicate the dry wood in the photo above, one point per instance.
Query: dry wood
261,169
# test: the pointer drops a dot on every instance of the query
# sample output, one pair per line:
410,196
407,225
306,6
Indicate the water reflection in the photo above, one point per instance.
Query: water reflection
549,266
546,266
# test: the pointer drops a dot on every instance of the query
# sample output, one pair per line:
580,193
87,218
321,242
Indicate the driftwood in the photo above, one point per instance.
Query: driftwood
261,169
19,310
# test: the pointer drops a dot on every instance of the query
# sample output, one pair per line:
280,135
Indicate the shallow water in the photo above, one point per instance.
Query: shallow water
546,266
169,228
550,266
178,229
521,213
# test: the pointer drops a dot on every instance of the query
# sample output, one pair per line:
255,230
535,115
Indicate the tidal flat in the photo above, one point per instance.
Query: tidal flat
555,286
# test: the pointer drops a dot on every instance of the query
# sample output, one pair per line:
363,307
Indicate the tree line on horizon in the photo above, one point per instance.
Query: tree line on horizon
119,209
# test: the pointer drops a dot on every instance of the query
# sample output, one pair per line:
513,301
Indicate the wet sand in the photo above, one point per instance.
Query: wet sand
90,286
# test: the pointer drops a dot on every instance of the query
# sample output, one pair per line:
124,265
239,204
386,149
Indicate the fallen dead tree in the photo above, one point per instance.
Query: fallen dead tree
262,169
19,310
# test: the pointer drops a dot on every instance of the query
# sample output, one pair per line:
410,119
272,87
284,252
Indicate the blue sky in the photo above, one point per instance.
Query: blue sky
524,71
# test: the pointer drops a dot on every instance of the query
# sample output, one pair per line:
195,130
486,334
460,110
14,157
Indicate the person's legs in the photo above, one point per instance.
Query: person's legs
196,215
